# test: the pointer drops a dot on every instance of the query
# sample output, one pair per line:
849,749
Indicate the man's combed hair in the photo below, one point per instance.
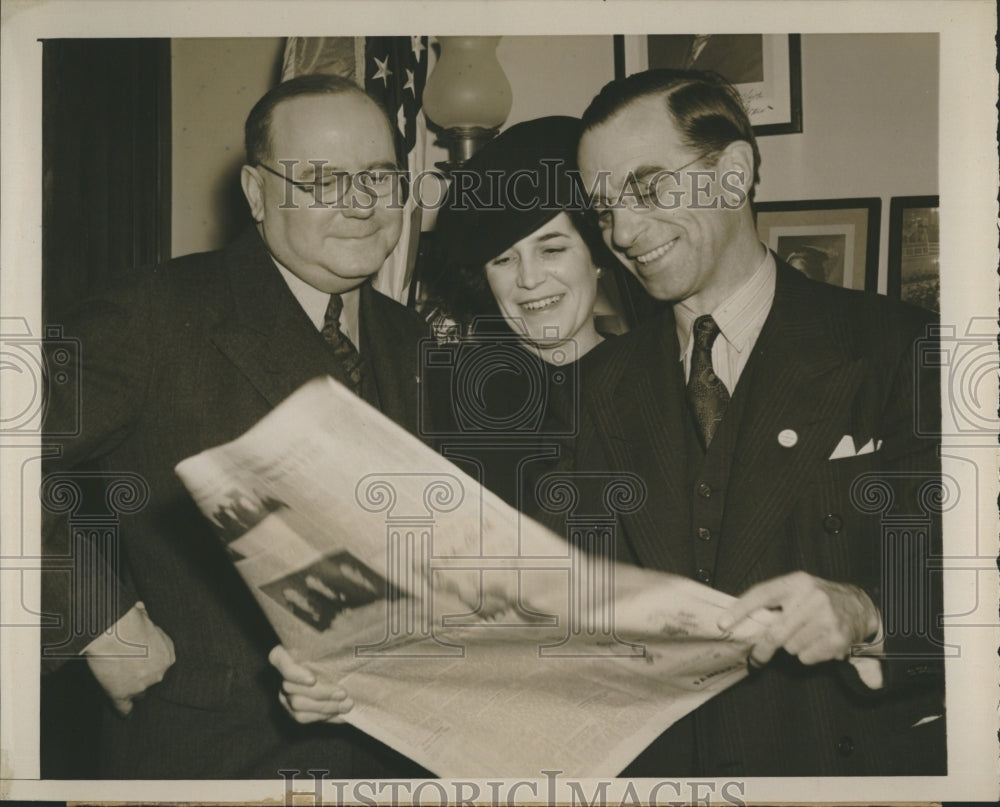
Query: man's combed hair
707,110
257,131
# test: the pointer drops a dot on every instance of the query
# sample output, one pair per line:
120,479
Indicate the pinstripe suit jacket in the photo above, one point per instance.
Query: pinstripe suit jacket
185,357
828,362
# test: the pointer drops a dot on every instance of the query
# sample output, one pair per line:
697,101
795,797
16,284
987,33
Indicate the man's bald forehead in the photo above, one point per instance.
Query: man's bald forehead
289,108
258,136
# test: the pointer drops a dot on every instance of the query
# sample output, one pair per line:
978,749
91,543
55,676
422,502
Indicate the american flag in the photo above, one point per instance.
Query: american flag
396,73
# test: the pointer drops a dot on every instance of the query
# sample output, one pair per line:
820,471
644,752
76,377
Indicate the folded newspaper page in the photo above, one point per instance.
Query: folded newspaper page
471,638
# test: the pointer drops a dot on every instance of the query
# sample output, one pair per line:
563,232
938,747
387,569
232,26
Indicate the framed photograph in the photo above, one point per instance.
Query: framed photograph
832,240
765,68
914,251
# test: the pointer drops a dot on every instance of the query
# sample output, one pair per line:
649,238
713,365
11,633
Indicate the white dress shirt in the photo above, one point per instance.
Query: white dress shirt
740,318
314,303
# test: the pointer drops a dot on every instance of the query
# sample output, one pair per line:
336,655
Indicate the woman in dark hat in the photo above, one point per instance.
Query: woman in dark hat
517,266
513,242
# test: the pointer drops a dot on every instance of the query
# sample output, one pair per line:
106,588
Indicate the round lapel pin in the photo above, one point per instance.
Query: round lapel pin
787,437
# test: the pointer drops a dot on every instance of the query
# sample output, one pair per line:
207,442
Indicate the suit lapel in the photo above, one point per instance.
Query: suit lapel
392,350
266,334
801,383
639,407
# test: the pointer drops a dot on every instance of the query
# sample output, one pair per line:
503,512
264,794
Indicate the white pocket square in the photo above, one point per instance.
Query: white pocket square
845,448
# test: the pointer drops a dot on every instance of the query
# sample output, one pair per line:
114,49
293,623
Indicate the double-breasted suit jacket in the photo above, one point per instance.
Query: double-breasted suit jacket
188,356
773,495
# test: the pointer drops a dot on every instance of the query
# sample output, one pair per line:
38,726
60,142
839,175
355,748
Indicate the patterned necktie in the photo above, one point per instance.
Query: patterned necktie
343,348
707,395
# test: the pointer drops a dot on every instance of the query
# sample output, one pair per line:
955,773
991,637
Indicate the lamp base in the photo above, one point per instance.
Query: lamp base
462,142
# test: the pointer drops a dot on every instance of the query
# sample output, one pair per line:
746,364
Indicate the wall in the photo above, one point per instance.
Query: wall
215,83
870,124
870,112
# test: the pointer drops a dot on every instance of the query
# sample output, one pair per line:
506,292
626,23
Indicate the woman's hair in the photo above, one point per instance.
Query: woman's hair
515,184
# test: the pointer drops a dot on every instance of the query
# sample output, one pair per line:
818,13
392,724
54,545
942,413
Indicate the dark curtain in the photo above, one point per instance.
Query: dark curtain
105,209
105,163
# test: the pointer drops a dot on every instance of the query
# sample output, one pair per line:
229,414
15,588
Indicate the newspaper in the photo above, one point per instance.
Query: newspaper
471,638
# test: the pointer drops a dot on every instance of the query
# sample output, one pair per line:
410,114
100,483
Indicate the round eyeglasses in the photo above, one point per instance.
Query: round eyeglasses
330,188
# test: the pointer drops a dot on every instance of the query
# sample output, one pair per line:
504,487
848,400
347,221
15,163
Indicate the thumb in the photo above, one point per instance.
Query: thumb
762,595
290,670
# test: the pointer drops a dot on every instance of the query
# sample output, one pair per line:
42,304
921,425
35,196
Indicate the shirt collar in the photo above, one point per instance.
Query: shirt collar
312,300
740,315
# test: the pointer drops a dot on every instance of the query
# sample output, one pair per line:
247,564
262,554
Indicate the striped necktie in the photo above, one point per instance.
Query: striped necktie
343,348
707,395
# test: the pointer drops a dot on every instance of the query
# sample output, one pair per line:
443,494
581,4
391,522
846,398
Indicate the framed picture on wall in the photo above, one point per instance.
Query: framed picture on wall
765,68
832,240
914,251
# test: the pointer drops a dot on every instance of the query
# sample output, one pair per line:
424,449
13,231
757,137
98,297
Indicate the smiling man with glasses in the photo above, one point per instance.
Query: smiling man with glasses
191,355
766,413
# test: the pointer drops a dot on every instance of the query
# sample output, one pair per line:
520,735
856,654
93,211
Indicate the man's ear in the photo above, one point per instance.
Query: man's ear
253,190
736,161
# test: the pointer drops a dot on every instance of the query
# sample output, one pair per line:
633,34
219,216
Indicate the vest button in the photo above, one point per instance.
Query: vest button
704,575
833,523
705,490
845,746
704,533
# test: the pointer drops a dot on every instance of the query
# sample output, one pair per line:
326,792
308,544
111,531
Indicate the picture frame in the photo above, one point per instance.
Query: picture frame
765,68
914,251
832,240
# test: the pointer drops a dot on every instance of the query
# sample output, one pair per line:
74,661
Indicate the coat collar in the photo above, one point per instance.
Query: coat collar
393,338
266,334
271,340
642,419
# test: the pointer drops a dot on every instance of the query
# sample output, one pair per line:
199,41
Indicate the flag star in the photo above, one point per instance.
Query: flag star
383,71
417,47
401,120
409,83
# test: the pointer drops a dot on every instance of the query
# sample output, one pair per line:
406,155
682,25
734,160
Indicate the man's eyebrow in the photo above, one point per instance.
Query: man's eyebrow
638,174
323,168
648,171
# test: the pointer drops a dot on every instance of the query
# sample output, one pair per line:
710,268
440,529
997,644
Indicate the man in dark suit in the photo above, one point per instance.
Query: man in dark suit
767,414
190,355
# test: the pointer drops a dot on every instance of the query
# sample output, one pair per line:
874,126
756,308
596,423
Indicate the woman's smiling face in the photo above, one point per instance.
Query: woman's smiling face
545,286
